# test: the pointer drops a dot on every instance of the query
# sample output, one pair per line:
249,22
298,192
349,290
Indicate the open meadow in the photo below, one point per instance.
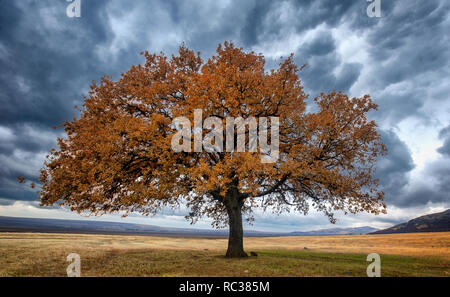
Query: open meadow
44,254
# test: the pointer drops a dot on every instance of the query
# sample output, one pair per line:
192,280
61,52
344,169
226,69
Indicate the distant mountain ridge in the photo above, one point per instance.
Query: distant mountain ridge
436,222
336,231
14,224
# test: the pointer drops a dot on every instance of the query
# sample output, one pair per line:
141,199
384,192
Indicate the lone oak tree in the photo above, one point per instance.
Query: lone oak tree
117,155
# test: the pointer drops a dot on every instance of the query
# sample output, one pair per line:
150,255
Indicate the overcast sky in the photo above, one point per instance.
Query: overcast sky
402,59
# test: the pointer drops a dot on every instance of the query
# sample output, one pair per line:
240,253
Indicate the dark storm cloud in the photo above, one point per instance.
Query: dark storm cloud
328,81
47,62
435,192
393,169
42,69
312,13
27,138
435,189
321,59
393,172
395,106
254,21
445,135
308,15
320,46
410,45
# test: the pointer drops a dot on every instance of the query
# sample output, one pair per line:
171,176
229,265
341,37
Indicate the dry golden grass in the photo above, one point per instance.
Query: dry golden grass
408,244
40,254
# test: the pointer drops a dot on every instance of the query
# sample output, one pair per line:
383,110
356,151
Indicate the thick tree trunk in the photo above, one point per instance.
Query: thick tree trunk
236,232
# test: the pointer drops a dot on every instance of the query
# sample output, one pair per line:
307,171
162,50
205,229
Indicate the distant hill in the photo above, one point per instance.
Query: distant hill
436,222
335,231
13,224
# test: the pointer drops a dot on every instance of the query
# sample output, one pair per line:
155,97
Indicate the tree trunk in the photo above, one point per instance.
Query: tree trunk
236,232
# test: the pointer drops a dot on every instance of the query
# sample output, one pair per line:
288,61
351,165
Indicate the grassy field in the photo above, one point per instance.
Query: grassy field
38,254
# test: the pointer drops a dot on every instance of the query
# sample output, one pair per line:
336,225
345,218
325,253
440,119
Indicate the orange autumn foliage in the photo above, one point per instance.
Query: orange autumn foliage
117,156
